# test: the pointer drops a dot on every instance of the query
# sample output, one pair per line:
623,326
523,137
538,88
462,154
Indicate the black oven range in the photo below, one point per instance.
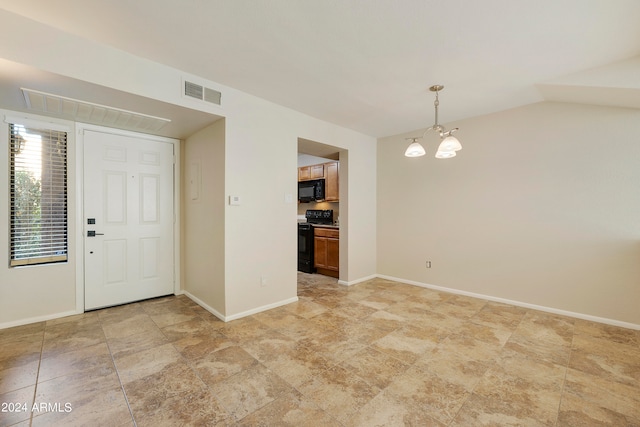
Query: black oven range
305,237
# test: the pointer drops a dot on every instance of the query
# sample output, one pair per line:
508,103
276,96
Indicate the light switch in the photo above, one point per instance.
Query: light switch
234,200
288,198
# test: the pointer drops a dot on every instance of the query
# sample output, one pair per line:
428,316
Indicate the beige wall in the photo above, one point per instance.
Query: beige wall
260,234
540,207
203,205
34,293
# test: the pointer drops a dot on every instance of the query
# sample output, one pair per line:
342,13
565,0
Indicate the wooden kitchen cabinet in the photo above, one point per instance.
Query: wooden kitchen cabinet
304,173
326,245
310,172
317,171
331,191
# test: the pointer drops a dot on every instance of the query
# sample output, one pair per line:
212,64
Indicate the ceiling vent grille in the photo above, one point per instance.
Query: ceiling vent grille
88,112
194,90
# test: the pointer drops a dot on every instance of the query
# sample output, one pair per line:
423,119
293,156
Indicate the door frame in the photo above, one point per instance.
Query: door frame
79,185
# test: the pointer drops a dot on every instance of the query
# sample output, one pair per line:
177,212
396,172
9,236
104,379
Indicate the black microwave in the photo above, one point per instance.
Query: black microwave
309,191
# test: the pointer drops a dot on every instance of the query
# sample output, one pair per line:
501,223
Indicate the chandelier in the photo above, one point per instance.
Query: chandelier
449,144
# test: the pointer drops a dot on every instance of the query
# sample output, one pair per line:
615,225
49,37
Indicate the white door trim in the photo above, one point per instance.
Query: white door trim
79,244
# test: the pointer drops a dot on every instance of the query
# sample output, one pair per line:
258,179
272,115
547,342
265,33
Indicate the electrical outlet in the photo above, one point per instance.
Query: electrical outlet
428,264
263,281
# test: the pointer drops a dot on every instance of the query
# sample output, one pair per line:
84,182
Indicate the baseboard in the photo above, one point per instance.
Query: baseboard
355,282
241,314
582,316
37,319
261,309
205,305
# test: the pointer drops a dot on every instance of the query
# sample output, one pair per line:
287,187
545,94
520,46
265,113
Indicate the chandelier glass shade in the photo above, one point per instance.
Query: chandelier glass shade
415,149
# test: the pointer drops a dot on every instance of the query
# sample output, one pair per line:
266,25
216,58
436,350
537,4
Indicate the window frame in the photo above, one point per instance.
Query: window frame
58,204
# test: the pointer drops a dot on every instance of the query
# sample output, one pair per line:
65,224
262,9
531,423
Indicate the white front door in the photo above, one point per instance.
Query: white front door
128,219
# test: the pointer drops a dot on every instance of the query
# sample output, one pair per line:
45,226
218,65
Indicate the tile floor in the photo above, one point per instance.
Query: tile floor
377,353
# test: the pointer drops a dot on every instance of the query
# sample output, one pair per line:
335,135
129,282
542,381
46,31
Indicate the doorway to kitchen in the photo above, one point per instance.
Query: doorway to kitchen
323,221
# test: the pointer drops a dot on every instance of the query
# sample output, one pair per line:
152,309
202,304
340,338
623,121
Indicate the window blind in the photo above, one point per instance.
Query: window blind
38,192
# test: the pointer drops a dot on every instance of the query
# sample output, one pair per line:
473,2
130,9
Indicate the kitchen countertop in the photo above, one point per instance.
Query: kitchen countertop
335,227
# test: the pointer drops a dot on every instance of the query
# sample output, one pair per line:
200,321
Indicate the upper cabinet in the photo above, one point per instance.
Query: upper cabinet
304,173
328,171
331,193
310,172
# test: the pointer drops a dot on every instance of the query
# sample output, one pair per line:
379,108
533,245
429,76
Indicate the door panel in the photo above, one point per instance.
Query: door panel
116,194
128,194
149,254
115,261
149,198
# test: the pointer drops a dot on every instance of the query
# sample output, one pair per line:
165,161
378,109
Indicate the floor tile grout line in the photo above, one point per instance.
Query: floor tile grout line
566,373
115,367
35,388
564,379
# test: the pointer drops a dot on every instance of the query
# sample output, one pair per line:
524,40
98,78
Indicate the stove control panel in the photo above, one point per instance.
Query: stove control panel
317,216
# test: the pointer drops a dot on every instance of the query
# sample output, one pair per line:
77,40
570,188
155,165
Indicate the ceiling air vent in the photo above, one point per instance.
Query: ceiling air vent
194,90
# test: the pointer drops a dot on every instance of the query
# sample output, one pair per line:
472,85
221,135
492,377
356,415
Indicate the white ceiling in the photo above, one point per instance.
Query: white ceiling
367,64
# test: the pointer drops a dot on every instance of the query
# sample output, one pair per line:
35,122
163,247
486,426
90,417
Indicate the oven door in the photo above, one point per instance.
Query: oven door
305,248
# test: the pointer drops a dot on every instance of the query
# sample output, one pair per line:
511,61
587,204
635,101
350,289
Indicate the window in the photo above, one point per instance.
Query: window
38,191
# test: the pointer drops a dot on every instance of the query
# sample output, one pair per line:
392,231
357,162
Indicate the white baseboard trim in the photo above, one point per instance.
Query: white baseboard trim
241,314
355,282
204,305
582,316
37,319
261,309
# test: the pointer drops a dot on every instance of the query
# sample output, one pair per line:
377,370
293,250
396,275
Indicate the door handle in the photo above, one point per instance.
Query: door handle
92,233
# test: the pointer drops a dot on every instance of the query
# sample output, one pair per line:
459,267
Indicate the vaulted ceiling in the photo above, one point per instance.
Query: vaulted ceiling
367,64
